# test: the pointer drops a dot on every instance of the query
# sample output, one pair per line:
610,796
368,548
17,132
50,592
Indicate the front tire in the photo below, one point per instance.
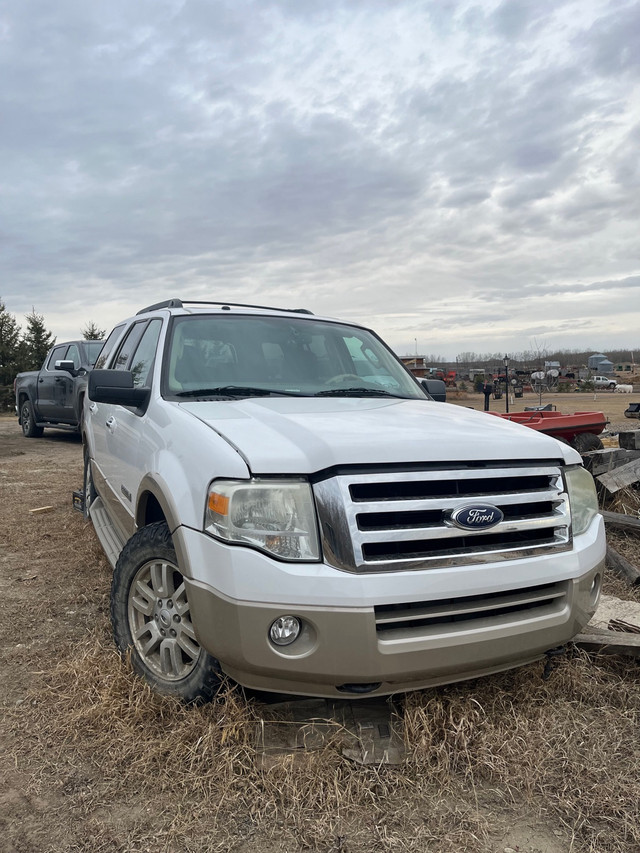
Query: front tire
151,617
28,420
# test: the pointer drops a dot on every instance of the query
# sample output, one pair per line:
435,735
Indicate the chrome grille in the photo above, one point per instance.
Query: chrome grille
397,520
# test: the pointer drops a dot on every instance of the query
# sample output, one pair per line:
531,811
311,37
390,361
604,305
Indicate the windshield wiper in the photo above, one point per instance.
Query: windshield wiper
236,391
357,392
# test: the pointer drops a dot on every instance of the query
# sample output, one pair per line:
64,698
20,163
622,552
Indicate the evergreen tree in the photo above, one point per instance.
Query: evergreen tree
92,333
36,342
9,346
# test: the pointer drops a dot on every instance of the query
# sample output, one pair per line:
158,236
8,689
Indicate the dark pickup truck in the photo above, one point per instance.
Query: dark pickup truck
54,395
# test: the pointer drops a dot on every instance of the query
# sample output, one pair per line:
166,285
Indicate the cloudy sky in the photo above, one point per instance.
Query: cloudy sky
462,176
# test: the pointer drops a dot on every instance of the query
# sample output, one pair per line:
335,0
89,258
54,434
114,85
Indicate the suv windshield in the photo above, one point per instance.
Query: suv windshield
224,355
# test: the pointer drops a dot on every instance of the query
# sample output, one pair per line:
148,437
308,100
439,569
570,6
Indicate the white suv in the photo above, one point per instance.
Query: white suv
283,502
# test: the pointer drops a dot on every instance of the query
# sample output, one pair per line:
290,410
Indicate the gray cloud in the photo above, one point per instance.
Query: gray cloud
611,43
349,156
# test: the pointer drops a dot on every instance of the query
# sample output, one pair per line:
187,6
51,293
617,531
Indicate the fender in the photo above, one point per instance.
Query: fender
154,485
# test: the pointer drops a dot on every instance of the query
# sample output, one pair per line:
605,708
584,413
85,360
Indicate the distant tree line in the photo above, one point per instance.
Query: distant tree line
25,349
535,358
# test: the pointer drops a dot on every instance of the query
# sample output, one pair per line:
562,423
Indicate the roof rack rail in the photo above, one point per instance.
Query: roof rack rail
168,303
181,303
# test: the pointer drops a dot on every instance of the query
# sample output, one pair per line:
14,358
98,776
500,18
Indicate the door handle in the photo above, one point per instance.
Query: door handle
111,423
93,408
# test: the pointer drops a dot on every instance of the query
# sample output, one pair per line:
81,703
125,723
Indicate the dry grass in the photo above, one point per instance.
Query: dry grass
95,762
625,501
191,778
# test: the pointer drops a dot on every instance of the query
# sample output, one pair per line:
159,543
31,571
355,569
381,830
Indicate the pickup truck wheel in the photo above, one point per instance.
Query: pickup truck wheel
151,618
28,421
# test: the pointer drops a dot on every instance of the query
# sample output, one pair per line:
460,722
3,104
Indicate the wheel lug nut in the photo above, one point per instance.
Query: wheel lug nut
176,618
169,603
173,633
163,632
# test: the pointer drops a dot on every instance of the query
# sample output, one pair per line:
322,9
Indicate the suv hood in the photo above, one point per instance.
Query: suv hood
284,435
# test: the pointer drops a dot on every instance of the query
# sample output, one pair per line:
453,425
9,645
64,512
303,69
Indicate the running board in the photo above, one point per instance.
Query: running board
55,425
106,532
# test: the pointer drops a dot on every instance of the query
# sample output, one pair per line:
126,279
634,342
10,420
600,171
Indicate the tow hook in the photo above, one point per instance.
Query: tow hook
551,660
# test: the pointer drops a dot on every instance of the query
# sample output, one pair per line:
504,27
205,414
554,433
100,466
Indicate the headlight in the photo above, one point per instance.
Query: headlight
276,516
582,497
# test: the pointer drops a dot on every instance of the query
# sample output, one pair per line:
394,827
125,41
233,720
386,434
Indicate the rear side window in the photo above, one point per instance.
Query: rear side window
144,356
109,345
128,347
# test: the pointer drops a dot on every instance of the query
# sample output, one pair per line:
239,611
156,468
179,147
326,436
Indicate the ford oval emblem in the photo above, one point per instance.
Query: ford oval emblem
476,517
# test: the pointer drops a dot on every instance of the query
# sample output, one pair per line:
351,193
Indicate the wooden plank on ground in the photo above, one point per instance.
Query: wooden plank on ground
621,566
609,643
620,477
629,440
366,730
619,519
605,461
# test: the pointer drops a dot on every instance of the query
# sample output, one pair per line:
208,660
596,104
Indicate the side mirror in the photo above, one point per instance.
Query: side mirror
69,366
436,389
116,388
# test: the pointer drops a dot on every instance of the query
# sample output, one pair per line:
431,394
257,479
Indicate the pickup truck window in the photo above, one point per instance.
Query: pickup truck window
73,354
57,354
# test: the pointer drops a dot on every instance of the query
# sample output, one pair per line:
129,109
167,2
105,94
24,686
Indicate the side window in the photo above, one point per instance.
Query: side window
129,345
73,354
57,354
144,356
107,349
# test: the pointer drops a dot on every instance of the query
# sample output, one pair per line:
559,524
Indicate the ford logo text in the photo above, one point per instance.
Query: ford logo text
476,517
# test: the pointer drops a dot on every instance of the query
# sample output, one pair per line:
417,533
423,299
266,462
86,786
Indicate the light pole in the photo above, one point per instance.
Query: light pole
505,361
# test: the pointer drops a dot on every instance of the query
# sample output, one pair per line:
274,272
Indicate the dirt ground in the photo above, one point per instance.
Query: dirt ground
91,761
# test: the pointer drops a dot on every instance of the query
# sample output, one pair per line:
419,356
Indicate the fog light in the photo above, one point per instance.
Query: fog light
284,630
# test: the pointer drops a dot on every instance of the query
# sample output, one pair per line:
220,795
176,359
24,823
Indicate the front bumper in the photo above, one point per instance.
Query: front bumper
343,650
